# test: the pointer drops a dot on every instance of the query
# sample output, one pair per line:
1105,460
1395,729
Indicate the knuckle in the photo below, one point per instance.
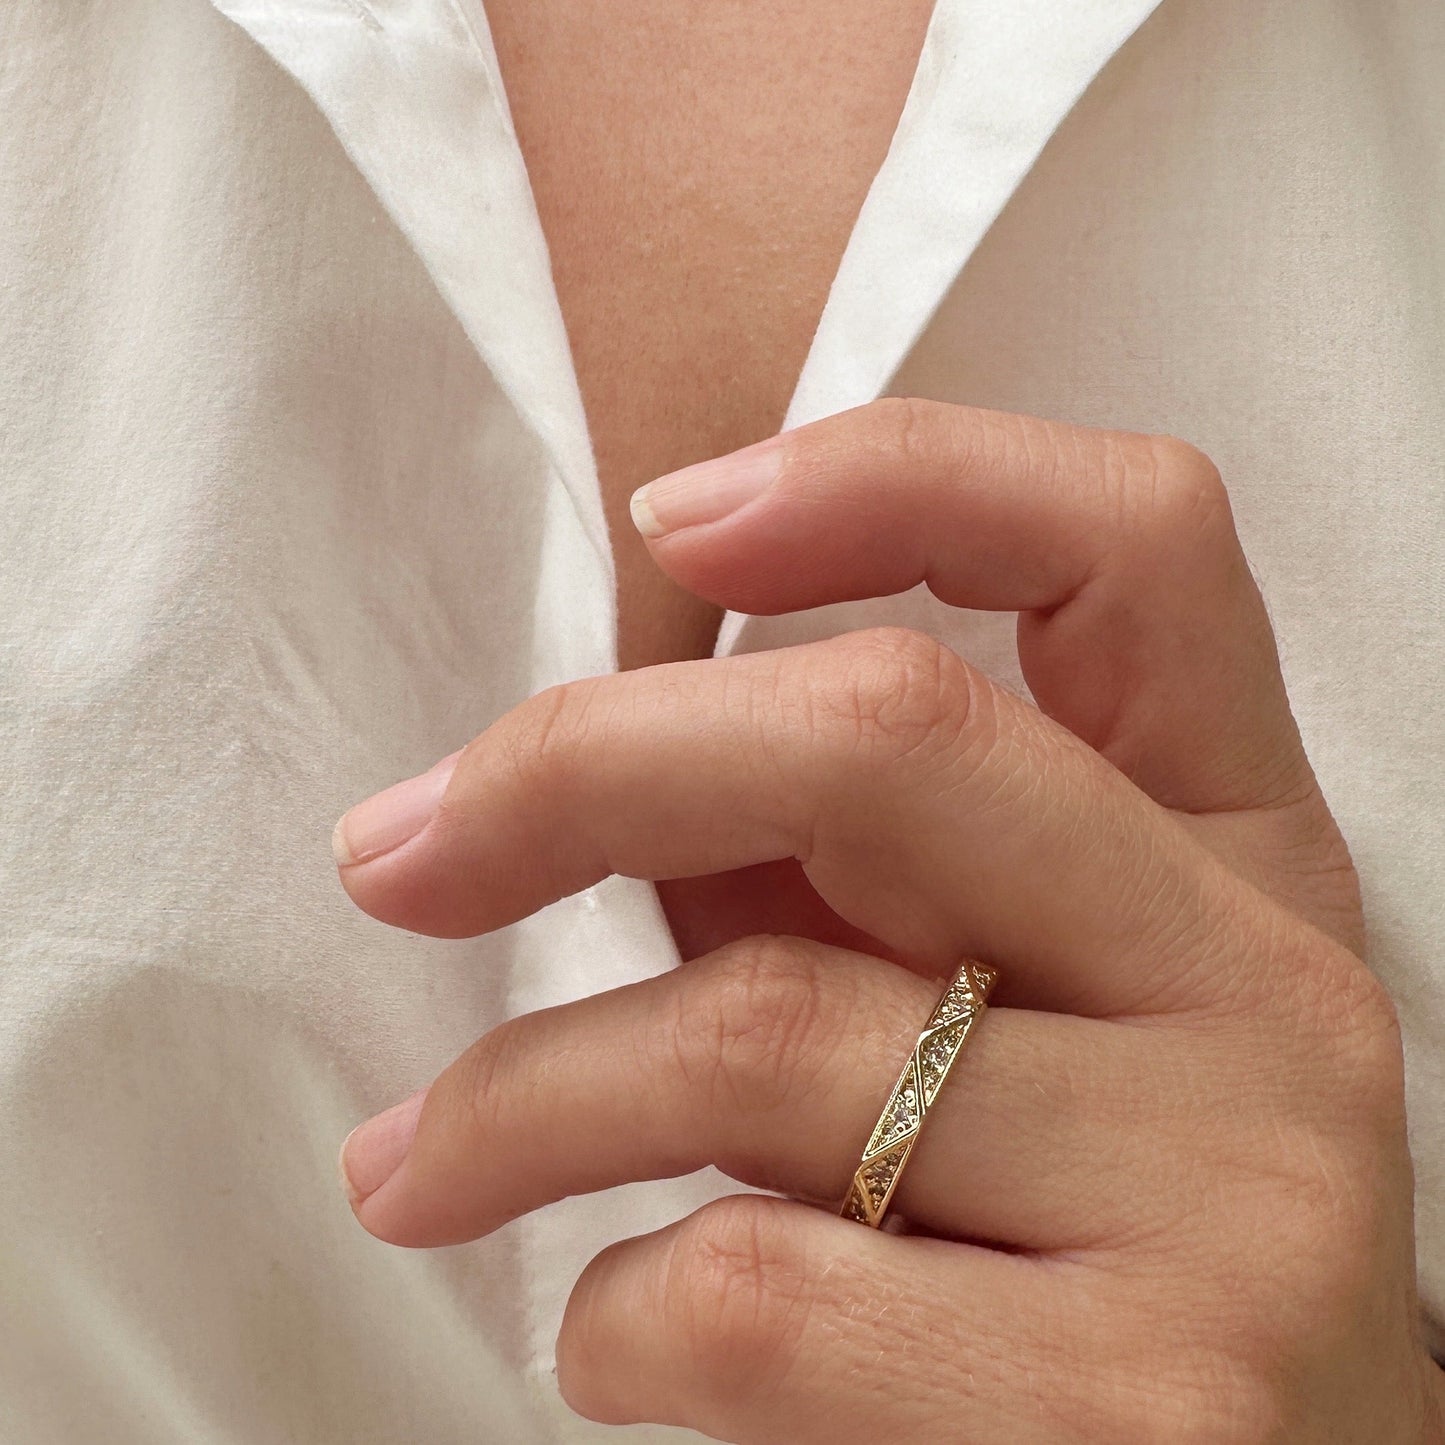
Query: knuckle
1330,1055
1343,1025
1177,494
1359,1024
900,691
742,1293
753,1026
539,737
1015,442
489,1073
909,426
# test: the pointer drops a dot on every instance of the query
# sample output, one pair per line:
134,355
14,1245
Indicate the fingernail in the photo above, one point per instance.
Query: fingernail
386,820
708,491
373,1151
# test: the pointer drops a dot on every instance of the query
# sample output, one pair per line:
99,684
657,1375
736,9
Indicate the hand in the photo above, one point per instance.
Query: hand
1165,1194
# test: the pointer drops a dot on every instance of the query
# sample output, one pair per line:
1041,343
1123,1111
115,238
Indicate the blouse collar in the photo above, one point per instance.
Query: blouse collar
414,93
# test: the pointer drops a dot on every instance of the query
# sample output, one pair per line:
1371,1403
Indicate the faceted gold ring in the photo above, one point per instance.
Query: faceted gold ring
940,1043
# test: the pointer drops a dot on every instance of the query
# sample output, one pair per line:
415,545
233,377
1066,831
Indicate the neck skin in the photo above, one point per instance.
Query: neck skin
698,170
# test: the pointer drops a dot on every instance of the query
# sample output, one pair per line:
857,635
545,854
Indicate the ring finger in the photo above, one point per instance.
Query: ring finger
771,1059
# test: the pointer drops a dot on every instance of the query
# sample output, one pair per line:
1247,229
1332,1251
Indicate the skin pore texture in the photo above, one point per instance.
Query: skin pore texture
1146,856
1183,1117
695,212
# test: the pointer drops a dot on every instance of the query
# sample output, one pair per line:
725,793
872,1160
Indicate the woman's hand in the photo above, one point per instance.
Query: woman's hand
1165,1194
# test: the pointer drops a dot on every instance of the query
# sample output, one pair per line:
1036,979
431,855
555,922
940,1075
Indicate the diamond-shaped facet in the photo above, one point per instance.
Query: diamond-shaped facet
957,1002
880,1174
902,1114
934,1054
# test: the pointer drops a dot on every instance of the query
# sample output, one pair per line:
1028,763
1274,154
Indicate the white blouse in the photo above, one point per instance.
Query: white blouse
298,496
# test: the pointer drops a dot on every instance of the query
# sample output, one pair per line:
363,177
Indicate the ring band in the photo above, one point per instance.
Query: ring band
962,1005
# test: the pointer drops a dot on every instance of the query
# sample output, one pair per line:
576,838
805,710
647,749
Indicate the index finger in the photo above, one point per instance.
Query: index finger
929,807
1141,627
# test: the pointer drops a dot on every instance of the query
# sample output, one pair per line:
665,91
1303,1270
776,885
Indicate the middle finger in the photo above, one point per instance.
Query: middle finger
930,808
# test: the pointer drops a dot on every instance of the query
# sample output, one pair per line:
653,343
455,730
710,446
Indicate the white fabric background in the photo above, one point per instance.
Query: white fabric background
298,496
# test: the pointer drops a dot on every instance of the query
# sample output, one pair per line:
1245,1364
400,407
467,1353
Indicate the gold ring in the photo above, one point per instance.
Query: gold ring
962,1005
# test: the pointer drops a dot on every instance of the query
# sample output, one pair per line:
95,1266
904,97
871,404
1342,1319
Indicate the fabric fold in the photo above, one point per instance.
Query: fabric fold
413,91
994,81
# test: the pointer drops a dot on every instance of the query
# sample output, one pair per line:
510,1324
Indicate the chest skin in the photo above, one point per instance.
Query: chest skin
698,167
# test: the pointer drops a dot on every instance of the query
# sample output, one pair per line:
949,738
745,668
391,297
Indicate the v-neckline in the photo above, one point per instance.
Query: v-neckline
413,90
994,80
588,491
